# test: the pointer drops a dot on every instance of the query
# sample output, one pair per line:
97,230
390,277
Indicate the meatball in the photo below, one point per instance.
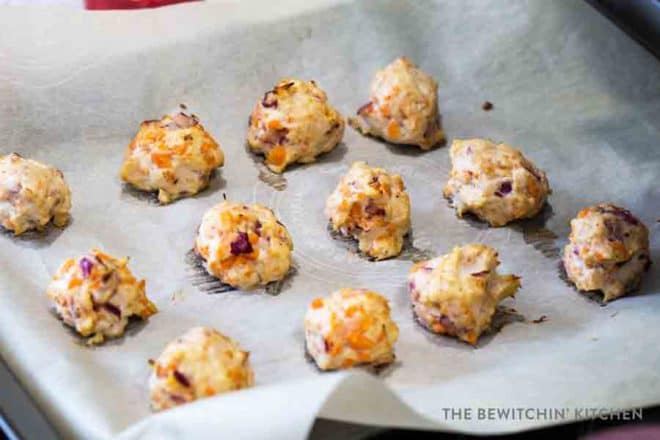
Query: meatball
31,195
174,156
350,327
608,250
201,363
244,246
494,182
294,123
402,107
457,294
372,206
97,294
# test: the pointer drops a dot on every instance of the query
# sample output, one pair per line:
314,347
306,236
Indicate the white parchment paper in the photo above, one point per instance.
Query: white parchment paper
577,95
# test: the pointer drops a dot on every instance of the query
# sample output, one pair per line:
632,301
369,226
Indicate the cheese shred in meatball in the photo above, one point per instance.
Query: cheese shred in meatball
372,206
608,250
402,107
244,246
31,195
201,363
457,294
494,182
350,327
174,156
97,295
294,123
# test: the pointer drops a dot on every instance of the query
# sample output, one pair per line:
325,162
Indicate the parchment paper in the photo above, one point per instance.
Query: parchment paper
576,94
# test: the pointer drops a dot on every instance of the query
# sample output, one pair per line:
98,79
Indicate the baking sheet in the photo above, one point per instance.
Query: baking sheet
575,93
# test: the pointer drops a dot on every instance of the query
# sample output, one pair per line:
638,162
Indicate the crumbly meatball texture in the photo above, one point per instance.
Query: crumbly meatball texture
294,123
457,294
97,294
244,246
402,107
608,250
494,182
350,327
372,206
201,363
31,195
174,156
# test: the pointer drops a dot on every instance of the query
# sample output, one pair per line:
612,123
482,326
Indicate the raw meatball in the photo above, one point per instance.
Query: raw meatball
495,182
31,194
372,206
456,294
294,123
201,363
608,251
350,327
244,246
97,294
403,107
174,156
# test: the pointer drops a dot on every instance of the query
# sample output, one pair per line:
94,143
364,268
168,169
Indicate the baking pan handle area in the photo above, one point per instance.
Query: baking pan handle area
639,18
19,416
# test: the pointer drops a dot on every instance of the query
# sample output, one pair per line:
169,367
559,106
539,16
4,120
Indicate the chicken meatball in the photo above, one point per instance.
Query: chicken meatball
372,206
244,246
201,363
31,195
608,250
97,294
457,294
494,182
294,123
350,327
402,107
174,156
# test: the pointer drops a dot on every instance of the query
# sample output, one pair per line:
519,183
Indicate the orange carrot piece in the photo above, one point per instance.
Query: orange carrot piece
393,130
358,341
276,156
162,160
274,124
